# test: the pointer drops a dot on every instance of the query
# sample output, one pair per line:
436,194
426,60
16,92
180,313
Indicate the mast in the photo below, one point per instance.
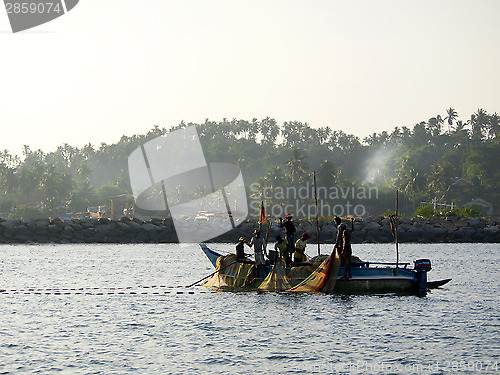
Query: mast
396,228
262,216
267,235
316,201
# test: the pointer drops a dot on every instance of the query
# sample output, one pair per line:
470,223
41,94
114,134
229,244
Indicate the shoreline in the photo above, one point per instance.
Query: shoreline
366,230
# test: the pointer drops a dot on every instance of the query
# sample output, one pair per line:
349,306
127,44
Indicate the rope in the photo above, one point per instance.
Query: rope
392,222
97,291
213,273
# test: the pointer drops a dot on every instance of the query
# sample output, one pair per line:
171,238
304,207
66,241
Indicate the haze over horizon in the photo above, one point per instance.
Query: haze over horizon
119,67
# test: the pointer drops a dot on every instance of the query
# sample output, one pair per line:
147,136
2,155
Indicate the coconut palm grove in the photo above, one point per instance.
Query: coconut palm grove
439,165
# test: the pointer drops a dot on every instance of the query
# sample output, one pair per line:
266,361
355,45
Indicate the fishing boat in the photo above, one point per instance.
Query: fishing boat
322,274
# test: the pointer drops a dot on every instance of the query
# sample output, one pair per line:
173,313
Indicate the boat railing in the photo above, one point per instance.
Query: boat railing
367,264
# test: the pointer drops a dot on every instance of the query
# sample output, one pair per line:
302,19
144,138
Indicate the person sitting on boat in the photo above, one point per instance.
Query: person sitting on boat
290,232
281,247
300,249
258,247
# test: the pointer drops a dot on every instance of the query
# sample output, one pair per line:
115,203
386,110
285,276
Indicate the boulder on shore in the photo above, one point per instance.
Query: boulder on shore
366,230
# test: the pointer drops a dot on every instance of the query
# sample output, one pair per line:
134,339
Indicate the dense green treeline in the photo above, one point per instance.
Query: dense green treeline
423,162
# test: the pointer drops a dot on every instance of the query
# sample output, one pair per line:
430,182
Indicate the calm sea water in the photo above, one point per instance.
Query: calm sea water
114,309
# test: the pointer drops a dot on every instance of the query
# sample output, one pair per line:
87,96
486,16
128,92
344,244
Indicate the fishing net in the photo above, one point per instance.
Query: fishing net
298,274
319,276
230,274
323,278
276,280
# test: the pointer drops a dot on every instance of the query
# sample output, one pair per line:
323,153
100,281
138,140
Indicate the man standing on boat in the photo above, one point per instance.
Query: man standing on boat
258,244
346,248
290,232
240,249
338,241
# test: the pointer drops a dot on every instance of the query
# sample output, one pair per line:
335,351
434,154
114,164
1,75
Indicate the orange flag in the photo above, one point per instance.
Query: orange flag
263,216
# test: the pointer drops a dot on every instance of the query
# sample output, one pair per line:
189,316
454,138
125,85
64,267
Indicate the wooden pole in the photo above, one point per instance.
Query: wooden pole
317,219
260,215
396,229
267,235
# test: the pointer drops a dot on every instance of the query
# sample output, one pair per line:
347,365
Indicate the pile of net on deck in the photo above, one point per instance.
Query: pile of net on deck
230,274
323,278
276,280
319,277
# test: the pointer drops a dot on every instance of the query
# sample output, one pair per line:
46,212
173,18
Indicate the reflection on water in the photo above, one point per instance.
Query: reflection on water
266,333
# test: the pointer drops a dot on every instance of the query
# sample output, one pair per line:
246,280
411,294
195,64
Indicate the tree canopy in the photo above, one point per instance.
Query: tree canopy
424,162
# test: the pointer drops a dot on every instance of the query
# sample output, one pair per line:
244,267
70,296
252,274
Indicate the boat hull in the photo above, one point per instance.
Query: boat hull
364,280
377,280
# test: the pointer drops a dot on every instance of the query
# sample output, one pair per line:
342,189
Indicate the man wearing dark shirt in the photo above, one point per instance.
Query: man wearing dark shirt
240,249
346,248
338,241
289,231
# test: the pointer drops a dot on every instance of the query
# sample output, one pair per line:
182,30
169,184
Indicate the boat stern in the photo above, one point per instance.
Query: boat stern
421,267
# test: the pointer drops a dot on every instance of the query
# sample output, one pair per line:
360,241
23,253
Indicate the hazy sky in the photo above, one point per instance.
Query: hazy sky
114,67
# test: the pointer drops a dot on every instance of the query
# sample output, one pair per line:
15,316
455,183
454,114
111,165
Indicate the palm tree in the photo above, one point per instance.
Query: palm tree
323,134
253,129
9,160
292,133
66,153
340,139
459,126
243,127
327,173
460,135
479,122
8,180
55,187
274,177
440,178
434,125
297,167
269,130
416,182
83,173
410,179
452,115
494,127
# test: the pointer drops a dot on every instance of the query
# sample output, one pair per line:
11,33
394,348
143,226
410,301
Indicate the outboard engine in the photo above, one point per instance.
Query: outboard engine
422,266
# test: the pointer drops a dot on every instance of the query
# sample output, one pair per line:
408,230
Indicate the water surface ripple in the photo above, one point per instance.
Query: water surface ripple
163,329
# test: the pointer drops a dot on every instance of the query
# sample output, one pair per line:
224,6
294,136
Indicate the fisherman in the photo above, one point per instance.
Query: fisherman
290,232
338,241
258,243
300,249
240,249
281,246
346,249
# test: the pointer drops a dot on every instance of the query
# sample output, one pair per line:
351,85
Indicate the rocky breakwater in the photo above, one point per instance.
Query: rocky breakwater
378,230
451,229
87,231
418,229
367,230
